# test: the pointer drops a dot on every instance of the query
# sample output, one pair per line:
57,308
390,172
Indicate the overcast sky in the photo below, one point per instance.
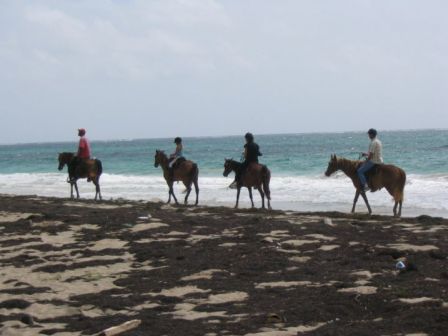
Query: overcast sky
127,69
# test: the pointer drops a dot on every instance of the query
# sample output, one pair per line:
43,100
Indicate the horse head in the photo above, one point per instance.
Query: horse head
332,165
64,159
159,158
228,167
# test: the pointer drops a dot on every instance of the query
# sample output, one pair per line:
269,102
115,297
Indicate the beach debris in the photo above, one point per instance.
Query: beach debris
119,329
144,217
275,318
27,319
267,240
403,265
329,222
400,265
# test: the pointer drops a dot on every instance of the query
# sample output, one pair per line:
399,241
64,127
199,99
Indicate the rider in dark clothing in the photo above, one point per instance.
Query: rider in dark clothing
251,154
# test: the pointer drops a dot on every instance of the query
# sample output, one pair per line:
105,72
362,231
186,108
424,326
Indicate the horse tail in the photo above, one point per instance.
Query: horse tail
194,174
99,167
266,178
401,181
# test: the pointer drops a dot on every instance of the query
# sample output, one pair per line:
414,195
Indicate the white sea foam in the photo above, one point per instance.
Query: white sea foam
424,194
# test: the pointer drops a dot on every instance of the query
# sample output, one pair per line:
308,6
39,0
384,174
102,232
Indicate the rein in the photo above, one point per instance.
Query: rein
235,165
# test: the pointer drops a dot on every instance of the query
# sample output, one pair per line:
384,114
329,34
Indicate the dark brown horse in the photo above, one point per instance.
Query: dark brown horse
90,169
256,175
386,176
187,172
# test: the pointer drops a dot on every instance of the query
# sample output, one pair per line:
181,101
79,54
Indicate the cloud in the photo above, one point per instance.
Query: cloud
133,40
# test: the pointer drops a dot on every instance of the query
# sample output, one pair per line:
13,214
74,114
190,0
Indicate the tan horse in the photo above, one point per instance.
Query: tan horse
257,176
187,172
90,169
387,176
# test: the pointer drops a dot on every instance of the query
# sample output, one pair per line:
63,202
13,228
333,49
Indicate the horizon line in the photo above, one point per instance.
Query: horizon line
220,136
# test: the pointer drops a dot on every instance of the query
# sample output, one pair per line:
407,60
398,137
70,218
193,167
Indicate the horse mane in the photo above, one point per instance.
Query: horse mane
347,165
234,162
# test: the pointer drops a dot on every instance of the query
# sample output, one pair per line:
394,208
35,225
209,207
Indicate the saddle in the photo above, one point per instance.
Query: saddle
80,168
178,162
372,172
371,175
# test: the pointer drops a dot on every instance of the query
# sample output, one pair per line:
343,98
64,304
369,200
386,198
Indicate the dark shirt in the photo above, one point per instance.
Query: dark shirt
252,152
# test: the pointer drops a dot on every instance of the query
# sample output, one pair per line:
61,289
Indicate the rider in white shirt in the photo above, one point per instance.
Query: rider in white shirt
374,156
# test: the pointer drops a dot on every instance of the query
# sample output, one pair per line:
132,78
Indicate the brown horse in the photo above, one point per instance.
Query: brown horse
256,175
90,169
187,172
387,176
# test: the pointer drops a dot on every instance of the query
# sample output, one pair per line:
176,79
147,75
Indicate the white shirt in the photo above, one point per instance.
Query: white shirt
376,149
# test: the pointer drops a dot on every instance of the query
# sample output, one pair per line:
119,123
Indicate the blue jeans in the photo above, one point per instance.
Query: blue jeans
365,167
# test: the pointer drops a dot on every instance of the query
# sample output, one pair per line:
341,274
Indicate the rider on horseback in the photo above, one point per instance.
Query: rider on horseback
374,157
83,154
178,154
251,154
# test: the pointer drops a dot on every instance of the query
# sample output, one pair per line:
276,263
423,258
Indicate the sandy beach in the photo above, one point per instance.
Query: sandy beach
79,267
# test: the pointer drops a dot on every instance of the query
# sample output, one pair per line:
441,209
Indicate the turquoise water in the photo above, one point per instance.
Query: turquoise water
297,162
419,152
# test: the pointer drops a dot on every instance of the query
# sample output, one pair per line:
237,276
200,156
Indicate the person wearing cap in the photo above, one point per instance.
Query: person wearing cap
251,154
374,156
84,152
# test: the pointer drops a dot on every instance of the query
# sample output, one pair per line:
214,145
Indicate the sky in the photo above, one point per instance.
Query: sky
127,69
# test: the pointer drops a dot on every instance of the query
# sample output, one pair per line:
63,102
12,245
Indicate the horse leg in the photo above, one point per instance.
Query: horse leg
262,196
399,210
170,188
250,196
355,200
76,189
238,190
97,189
363,194
395,208
71,191
188,186
172,193
196,188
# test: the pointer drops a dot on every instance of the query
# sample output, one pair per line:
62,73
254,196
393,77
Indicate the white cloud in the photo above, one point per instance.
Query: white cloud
287,60
140,39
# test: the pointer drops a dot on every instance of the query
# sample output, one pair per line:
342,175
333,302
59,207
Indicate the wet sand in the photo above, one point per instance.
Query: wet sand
79,267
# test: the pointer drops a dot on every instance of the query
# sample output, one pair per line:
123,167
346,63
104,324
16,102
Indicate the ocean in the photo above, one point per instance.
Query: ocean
297,163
